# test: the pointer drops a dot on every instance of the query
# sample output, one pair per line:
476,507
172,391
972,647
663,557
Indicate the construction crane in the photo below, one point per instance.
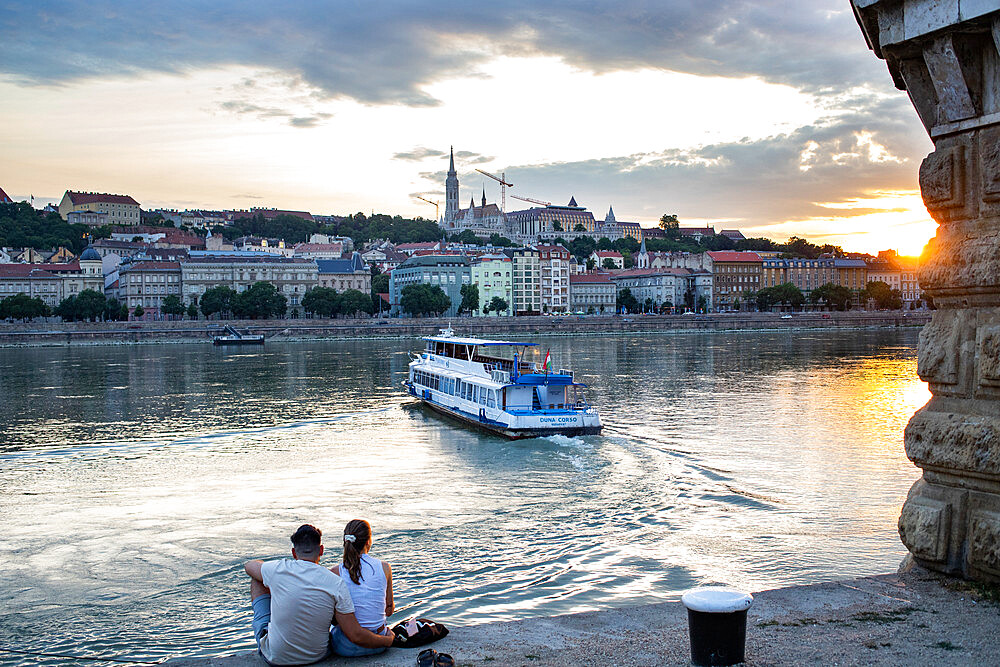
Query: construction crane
533,201
437,215
502,180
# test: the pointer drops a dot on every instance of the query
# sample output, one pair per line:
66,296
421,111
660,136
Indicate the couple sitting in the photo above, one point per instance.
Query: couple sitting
296,600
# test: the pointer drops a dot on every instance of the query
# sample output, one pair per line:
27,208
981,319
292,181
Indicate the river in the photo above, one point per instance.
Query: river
136,480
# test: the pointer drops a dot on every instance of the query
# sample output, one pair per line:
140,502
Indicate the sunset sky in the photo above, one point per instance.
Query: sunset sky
749,115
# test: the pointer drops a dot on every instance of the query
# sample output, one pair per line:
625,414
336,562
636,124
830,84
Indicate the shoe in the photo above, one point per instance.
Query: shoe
444,660
427,658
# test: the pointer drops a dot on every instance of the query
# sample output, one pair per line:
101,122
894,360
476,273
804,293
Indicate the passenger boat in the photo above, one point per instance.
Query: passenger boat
488,384
234,337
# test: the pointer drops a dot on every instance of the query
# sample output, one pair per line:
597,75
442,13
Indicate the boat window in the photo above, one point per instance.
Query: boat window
482,396
492,399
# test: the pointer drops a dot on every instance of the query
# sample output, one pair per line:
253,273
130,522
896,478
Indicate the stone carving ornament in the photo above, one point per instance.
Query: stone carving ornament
946,55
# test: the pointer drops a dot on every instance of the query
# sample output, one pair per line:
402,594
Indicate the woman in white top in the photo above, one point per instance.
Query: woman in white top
369,581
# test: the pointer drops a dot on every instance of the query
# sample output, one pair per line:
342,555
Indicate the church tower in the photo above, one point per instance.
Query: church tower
451,191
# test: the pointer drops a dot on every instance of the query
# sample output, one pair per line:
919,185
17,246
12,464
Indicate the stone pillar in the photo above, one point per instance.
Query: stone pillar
944,54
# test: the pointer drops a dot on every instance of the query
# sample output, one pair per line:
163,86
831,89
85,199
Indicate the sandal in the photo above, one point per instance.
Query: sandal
444,660
427,658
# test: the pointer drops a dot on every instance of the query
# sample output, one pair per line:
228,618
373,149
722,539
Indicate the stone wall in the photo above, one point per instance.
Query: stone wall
946,55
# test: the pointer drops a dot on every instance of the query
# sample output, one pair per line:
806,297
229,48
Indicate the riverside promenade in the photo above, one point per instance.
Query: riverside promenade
117,333
912,618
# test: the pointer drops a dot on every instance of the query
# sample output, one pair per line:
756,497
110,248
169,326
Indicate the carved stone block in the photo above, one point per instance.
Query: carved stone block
984,541
988,355
954,441
924,526
938,347
942,178
989,150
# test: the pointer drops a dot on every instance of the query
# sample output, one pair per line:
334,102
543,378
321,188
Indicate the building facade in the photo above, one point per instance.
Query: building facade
554,262
494,276
449,272
147,283
592,293
121,209
527,281
734,275
53,282
669,288
293,277
345,274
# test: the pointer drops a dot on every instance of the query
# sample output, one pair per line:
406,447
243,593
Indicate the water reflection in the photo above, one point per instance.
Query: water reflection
134,481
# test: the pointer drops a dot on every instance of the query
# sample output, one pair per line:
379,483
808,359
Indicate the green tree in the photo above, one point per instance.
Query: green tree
470,298
579,227
556,226
496,305
702,304
883,296
192,311
322,301
217,300
627,301
380,285
591,264
172,305
113,311
628,259
90,305
22,307
139,312
609,264
423,299
259,301
670,225
354,302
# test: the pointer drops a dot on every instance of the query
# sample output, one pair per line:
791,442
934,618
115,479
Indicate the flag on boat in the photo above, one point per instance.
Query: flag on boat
548,358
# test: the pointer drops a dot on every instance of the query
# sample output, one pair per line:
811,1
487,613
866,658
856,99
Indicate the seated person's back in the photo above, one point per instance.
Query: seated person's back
304,597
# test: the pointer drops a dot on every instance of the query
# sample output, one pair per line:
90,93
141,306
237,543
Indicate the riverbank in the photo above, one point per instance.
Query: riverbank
914,618
119,333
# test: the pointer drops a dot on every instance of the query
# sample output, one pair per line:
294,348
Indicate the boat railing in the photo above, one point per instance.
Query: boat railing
566,371
502,377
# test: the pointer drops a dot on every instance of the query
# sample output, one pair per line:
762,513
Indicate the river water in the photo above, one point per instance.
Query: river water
136,480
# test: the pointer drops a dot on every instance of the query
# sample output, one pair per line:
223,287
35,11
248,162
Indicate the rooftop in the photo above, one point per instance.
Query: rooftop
733,256
99,198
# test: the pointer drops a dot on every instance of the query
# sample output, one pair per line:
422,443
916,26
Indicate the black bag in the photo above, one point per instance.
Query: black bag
427,631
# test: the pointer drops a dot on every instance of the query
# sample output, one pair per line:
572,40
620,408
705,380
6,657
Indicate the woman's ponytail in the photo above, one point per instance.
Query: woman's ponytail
356,536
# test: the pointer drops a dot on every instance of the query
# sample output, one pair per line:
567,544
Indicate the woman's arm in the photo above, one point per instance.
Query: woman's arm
389,604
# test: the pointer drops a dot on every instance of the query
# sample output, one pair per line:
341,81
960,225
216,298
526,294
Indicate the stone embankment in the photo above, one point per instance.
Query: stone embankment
112,333
915,618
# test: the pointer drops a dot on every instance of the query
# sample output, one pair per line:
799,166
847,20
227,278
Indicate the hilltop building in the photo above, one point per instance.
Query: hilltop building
121,209
4,199
537,224
53,282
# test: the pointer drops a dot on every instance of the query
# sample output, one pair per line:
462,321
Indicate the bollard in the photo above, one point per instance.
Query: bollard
717,623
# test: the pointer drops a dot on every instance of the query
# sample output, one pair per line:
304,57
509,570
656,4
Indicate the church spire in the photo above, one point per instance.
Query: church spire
610,217
451,190
484,196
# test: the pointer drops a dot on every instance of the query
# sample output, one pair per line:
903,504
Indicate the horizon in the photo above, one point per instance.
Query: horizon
749,117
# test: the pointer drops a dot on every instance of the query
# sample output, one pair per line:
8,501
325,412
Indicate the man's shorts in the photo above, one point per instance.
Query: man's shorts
261,617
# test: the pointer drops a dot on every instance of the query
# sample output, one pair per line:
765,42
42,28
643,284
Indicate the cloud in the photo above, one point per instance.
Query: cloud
760,183
388,53
307,121
238,107
418,154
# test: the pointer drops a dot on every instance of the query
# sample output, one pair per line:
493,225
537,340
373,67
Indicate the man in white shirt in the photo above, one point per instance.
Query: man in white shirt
296,600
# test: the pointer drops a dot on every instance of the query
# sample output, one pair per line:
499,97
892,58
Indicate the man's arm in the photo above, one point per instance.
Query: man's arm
348,624
253,569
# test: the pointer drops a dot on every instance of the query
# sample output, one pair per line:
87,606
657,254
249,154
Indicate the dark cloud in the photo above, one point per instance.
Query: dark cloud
307,121
385,53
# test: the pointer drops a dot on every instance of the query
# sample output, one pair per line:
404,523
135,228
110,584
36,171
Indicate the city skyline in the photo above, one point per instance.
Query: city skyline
739,115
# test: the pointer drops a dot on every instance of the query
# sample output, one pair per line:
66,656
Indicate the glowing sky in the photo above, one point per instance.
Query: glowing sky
736,114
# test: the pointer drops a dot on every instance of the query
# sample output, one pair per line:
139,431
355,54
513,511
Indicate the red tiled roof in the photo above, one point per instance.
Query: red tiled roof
590,278
319,247
4,199
151,265
732,256
551,248
99,198
671,271
426,245
609,253
23,270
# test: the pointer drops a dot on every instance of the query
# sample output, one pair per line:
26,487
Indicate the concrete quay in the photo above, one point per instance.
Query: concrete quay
117,333
912,618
